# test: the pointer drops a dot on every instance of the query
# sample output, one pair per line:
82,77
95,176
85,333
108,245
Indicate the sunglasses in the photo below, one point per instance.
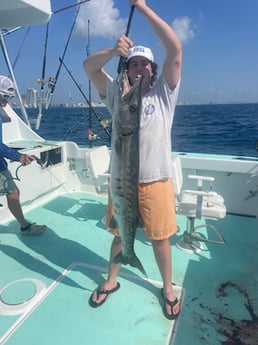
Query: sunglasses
6,95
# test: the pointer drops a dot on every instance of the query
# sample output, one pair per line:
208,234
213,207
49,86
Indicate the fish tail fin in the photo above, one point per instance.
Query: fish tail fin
120,259
133,261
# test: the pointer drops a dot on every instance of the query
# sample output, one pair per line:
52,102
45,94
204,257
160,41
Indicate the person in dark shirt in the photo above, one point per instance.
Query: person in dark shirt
7,184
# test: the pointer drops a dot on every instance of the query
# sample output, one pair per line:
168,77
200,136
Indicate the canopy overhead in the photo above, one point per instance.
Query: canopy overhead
24,12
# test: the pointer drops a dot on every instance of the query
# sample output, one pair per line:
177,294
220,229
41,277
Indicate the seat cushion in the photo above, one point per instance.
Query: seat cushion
207,206
211,195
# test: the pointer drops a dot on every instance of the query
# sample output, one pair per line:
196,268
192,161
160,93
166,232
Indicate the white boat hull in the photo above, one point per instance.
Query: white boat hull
65,168
24,12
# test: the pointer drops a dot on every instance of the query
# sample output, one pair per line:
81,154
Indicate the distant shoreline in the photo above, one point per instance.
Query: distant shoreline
102,105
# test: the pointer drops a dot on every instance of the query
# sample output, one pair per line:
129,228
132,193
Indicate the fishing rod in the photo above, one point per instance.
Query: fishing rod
46,99
122,58
53,84
44,59
103,124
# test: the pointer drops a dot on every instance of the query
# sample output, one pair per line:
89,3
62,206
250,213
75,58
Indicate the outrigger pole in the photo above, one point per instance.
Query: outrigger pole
90,103
73,5
52,86
19,51
9,65
102,122
42,81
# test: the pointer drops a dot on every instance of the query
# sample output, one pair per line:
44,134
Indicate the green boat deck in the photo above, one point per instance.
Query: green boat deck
46,281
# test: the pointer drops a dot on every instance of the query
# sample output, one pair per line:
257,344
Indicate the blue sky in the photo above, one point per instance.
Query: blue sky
220,46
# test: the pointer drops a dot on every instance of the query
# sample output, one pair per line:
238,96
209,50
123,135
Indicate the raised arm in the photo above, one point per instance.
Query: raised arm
94,64
173,60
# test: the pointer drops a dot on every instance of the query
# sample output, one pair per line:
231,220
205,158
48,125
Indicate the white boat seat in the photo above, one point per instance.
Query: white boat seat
210,206
98,162
194,204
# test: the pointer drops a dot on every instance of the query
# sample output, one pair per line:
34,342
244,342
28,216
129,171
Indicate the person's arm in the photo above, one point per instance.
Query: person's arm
173,61
9,153
14,155
94,64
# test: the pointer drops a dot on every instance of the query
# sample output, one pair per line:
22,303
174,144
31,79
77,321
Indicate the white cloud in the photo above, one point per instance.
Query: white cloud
182,27
104,19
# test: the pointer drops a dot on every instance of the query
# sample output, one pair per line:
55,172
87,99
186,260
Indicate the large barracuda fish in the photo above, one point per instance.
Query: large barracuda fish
125,169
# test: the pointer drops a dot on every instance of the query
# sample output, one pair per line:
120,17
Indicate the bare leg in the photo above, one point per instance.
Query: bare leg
113,270
13,201
162,252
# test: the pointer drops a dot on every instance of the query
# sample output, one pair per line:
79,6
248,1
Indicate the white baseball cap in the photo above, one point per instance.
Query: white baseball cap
140,51
6,84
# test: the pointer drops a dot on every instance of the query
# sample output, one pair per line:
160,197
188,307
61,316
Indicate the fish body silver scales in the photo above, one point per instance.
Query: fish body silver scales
125,173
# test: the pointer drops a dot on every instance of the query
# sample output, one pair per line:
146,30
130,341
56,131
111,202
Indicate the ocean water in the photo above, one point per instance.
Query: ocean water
219,129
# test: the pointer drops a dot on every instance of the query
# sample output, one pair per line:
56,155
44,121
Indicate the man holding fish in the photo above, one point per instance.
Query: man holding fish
141,188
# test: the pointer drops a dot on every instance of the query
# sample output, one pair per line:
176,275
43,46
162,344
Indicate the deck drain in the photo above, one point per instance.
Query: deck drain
17,296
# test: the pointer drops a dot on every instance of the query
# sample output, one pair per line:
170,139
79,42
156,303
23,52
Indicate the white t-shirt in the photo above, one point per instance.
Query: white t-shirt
157,114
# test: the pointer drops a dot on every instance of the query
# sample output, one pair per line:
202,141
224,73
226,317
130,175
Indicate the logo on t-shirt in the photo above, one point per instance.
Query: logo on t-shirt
149,110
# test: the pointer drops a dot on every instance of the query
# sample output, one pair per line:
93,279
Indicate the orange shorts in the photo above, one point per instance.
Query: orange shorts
156,208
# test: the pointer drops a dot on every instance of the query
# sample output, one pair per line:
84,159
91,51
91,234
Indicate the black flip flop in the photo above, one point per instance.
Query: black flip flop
99,292
171,304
